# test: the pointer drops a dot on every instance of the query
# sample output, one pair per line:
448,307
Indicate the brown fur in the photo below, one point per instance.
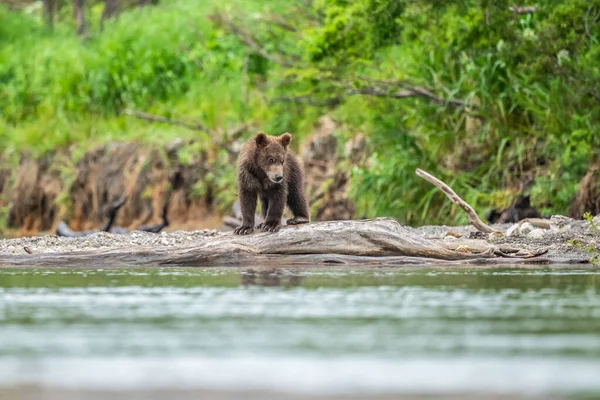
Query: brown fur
263,161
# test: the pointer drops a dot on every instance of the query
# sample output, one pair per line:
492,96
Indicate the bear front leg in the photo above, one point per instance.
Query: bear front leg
297,203
275,211
264,206
264,203
248,206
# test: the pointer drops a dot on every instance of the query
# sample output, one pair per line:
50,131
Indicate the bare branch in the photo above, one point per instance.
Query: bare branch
236,131
473,217
195,125
408,93
413,92
334,101
410,90
277,21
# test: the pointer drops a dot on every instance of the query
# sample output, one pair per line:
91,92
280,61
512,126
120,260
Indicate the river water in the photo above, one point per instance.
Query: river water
514,332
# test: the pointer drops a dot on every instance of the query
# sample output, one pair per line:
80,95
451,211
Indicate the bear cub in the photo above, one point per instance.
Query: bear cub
269,171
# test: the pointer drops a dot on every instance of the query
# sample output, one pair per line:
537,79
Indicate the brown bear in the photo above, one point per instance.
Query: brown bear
269,171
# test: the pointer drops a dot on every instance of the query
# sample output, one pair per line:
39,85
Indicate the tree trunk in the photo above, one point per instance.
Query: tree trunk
49,7
112,8
79,14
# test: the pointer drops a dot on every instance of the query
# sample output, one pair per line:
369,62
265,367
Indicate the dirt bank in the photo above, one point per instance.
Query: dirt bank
39,193
197,180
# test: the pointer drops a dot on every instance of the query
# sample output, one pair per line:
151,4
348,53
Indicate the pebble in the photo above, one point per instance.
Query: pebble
103,240
537,233
513,231
560,223
496,237
526,228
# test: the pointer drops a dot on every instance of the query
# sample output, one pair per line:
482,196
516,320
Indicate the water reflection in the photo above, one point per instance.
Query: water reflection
270,277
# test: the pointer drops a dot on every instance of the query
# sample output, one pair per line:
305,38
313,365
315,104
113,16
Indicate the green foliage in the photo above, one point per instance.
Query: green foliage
353,29
16,27
534,81
590,219
529,80
57,89
592,250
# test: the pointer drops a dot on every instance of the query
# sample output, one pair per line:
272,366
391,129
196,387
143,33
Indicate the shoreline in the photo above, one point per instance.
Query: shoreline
358,242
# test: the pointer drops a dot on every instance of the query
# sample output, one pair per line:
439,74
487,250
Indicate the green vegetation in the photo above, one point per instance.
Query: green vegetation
483,95
590,219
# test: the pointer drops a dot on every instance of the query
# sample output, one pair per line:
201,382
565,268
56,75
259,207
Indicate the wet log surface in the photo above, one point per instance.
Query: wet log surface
377,242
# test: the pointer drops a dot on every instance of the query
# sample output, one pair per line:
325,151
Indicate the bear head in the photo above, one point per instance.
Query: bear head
271,153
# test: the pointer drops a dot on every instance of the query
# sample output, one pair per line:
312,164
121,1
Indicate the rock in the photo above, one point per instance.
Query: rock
513,231
174,145
560,223
537,233
526,228
477,235
495,237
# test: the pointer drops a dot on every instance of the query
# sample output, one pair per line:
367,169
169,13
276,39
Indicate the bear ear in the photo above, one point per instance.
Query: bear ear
261,139
286,138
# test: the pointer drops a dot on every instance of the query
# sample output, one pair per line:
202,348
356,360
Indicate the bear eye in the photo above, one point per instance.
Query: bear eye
271,160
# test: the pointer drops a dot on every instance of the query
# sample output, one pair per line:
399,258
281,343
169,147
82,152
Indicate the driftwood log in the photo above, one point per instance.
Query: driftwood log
380,241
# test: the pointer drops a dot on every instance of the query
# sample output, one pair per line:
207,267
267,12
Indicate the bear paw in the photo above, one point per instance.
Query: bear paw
297,221
269,226
243,230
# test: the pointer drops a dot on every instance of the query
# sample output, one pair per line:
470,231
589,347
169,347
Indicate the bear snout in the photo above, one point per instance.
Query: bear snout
276,178
275,175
